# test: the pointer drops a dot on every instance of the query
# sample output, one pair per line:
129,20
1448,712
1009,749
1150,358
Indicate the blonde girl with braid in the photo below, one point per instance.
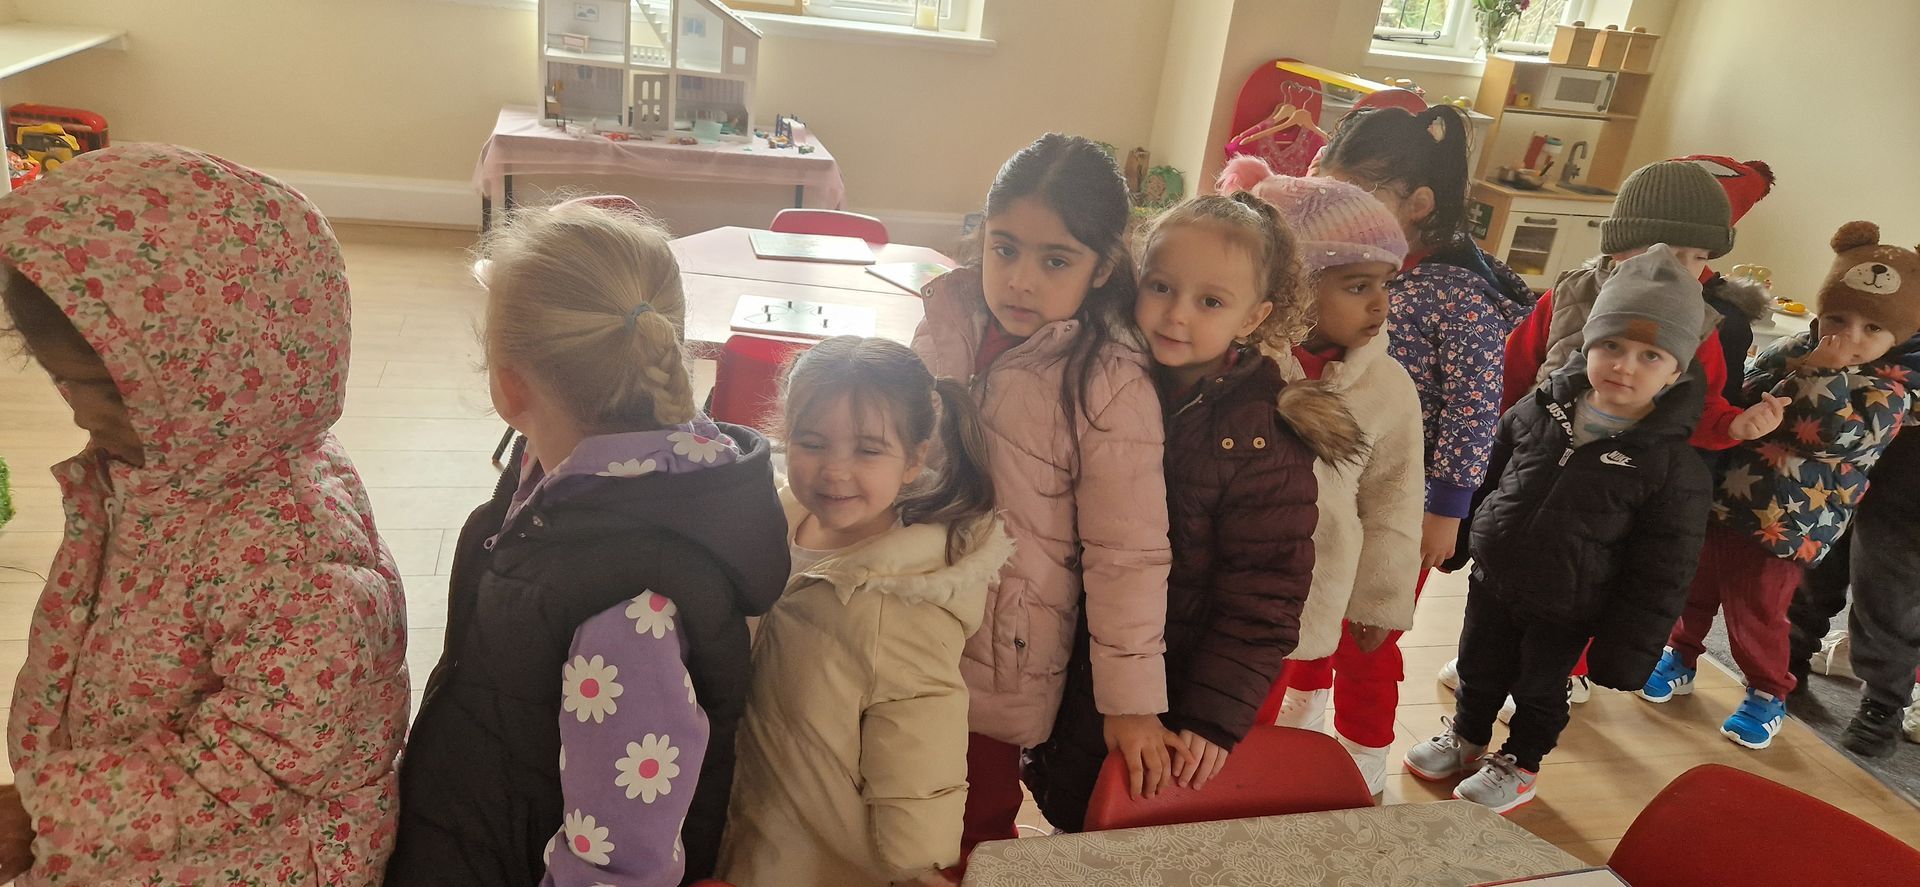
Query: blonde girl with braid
579,727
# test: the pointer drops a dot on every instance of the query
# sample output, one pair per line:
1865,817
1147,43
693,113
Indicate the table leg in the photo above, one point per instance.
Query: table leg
486,213
799,196
506,196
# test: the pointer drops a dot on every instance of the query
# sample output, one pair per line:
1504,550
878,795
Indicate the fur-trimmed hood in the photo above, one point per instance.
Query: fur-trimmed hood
1320,417
910,563
1752,299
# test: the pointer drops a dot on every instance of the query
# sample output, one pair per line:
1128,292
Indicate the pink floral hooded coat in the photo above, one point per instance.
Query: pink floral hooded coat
215,688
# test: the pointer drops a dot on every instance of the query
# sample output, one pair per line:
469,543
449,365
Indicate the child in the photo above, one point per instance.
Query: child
1786,498
1217,278
215,686
1592,529
1039,329
853,752
595,665
1366,544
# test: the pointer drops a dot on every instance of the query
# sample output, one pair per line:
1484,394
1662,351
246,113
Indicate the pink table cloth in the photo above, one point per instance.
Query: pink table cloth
524,144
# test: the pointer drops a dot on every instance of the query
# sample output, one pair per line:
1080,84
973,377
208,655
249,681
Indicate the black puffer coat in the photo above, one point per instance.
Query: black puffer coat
480,780
1606,536
1240,508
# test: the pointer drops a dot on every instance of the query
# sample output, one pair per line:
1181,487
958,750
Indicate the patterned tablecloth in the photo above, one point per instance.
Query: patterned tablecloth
1428,845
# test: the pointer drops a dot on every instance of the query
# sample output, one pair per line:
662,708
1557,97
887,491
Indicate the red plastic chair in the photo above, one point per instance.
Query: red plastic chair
1275,770
746,382
830,221
1713,820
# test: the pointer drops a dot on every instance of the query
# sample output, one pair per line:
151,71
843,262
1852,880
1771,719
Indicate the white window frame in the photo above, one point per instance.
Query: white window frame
900,13
1458,39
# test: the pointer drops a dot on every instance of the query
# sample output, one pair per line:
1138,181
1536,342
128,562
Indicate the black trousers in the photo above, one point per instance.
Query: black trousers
1505,654
1879,556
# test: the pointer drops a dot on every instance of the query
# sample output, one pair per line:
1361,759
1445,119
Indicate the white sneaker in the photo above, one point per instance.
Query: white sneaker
1371,761
1579,689
1450,674
1305,709
1507,709
1835,656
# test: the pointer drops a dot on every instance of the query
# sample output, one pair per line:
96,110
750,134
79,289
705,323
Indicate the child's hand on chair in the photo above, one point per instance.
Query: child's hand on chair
1152,752
1208,761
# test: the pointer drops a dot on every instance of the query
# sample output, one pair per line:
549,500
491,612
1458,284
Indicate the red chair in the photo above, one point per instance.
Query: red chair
746,382
1713,820
830,221
1275,770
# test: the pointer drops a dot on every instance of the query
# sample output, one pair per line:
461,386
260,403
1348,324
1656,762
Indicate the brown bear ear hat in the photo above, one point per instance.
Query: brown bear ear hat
1879,282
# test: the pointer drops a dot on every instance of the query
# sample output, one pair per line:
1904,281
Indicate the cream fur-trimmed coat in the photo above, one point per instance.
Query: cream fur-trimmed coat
853,751
1367,541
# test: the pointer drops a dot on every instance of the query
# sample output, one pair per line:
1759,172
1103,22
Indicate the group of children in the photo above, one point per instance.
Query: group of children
1113,501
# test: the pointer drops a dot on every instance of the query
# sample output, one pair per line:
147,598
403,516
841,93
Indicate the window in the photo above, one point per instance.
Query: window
1449,28
953,13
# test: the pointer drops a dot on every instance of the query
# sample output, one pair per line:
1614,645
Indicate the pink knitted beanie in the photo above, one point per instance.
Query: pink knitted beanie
1337,223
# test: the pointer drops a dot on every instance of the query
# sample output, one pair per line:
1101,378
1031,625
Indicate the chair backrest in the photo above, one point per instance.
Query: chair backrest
1275,770
830,221
1714,821
746,382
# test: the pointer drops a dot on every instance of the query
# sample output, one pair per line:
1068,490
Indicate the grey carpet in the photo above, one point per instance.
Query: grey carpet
1826,708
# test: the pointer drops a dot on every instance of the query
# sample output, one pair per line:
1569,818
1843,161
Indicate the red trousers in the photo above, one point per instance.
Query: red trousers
993,792
1366,686
1752,590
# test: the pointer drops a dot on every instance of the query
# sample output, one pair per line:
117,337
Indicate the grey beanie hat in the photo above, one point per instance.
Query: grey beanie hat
1674,202
1650,298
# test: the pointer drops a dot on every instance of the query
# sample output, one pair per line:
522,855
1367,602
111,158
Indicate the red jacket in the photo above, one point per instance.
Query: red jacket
1527,350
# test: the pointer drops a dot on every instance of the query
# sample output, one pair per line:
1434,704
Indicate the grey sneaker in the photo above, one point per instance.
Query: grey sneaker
1500,785
1444,756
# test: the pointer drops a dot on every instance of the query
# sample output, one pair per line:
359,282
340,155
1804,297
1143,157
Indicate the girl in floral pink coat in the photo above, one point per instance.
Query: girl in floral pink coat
215,687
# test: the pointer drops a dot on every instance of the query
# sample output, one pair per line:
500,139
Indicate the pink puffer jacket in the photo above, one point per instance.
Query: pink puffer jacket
1085,502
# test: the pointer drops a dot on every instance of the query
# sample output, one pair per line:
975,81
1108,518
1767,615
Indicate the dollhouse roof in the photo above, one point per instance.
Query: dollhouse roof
724,10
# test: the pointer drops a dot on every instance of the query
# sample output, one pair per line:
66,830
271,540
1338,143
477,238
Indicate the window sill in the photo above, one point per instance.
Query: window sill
1424,63
818,28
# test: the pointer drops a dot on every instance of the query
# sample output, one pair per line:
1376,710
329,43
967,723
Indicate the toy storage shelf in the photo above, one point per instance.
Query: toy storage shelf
24,46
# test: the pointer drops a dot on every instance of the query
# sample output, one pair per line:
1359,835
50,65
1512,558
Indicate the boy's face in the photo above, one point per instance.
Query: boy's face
1352,301
95,400
1627,375
1857,339
1693,257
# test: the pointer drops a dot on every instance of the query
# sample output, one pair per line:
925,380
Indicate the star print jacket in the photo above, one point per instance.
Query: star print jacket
617,589
215,683
1604,536
1795,489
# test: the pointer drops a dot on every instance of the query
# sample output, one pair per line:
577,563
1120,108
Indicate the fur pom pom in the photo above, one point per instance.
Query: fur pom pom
1242,173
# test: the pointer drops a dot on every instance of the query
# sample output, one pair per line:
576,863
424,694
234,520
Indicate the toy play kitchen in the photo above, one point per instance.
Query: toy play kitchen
1557,147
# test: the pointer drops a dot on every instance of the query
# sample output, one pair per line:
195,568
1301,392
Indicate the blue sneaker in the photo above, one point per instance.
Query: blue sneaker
1669,679
1756,721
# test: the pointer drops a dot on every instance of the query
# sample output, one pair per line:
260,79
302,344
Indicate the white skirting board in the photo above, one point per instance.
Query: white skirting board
443,203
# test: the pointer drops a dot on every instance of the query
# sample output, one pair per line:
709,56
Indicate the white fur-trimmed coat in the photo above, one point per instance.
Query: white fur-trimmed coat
853,751
1367,541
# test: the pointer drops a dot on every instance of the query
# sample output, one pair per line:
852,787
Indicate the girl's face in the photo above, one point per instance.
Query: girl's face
1035,272
1199,292
1627,375
1860,340
1410,206
1352,301
846,466
90,391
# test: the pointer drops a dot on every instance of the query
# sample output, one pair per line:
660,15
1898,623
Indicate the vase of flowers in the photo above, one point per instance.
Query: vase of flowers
1494,16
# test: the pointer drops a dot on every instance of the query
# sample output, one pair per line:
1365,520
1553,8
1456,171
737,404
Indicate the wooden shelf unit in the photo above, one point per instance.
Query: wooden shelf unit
1507,76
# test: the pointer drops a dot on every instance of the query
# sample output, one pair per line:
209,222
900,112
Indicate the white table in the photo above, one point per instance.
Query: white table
1405,845
25,46
1778,326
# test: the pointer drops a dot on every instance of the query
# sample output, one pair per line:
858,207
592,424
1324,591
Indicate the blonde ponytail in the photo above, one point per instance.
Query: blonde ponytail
588,301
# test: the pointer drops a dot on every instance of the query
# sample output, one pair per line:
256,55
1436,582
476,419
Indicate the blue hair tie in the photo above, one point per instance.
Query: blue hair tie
633,317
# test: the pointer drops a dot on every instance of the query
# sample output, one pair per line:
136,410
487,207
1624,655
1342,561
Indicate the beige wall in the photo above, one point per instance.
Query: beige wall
1829,106
1183,115
410,87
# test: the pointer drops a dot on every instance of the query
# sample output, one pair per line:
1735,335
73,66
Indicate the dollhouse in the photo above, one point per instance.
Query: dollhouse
649,66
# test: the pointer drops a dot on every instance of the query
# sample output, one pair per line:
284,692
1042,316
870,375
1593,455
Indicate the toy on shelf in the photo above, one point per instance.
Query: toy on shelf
21,169
88,128
647,66
47,144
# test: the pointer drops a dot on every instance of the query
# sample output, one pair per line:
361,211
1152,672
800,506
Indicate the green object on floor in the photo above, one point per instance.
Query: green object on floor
6,495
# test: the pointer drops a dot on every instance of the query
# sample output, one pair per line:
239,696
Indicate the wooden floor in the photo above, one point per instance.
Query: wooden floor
418,427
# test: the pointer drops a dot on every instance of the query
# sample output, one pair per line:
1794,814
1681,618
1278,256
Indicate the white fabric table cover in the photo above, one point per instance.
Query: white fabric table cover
524,144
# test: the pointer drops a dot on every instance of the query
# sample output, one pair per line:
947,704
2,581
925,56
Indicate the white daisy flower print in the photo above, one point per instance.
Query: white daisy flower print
652,614
563,758
589,687
648,770
679,831
546,856
691,698
630,468
703,450
588,839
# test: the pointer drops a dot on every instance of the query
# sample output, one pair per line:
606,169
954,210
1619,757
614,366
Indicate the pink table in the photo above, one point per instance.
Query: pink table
711,300
523,144
726,252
